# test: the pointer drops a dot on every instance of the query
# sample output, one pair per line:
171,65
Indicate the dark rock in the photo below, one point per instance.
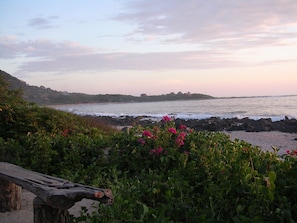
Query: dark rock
211,124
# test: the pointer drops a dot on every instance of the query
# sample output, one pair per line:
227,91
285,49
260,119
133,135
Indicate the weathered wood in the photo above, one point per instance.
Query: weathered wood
55,192
10,196
46,214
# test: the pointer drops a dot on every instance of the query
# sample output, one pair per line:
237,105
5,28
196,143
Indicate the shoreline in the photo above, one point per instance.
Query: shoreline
209,124
262,133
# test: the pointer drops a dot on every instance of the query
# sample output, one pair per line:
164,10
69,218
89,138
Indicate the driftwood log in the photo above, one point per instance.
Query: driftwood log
52,192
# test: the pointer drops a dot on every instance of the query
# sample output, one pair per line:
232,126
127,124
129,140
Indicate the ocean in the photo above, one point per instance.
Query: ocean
276,108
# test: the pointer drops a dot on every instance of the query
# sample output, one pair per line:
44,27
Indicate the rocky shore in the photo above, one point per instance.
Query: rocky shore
263,133
211,124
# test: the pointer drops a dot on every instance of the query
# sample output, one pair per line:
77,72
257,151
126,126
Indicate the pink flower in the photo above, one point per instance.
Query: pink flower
157,151
180,142
186,152
182,136
172,130
166,118
182,127
141,141
180,139
147,133
292,153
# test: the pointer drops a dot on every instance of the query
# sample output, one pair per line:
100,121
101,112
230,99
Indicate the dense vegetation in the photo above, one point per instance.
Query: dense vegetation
46,96
158,173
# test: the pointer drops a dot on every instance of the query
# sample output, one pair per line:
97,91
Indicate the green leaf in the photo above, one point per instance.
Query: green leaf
272,176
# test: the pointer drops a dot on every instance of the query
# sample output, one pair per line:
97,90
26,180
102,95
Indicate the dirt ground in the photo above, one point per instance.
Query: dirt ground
25,215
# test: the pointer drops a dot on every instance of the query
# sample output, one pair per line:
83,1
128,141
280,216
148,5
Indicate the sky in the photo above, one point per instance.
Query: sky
220,48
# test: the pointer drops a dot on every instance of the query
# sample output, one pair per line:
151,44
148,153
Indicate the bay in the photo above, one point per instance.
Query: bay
276,108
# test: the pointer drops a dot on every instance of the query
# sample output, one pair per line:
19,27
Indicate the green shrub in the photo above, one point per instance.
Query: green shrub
206,178
157,173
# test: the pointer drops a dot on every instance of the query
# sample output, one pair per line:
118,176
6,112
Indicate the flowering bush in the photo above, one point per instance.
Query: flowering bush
165,172
165,135
174,174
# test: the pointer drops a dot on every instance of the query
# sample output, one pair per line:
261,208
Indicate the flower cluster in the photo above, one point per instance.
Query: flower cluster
157,151
183,127
141,141
172,130
166,118
292,153
159,139
180,139
147,134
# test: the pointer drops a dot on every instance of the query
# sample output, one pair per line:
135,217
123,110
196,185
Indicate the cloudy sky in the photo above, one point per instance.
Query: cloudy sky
215,47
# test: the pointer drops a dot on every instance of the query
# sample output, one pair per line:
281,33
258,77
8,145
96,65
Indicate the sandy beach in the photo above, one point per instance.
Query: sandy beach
283,141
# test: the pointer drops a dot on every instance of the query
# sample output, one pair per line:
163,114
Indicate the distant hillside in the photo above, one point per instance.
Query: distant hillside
47,96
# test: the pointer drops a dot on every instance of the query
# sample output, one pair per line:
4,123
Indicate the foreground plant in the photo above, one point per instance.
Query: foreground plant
168,173
160,173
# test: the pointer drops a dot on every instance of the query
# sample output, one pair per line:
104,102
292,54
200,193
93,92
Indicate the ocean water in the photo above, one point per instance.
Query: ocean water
276,108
